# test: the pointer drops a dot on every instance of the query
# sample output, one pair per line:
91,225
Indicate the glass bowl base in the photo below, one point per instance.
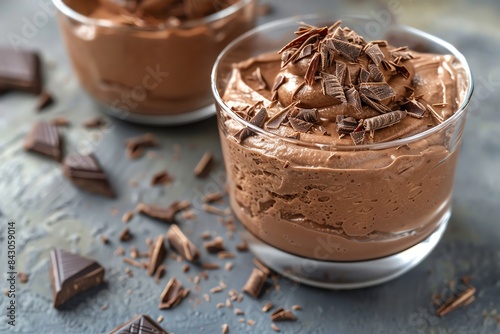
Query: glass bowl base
345,275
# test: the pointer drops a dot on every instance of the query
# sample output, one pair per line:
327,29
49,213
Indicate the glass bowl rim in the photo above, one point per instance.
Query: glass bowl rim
71,13
329,16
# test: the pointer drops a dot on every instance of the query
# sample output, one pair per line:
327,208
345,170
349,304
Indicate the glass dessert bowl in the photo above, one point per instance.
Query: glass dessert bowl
340,153
150,61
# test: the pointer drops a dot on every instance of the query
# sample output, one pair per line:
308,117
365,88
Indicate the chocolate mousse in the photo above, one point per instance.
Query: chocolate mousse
322,180
151,56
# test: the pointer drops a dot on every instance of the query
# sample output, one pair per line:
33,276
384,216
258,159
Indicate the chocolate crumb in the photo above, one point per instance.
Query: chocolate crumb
104,239
267,307
457,301
131,262
135,146
23,277
125,235
250,322
161,178
225,329
182,244
213,197
282,315
159,319
204,166
296,308
228,266
160,272
127,216
210,266
242,247
255,283
261,266
185,268
120,251
216,289
162,213
215,246
225,255
94,122
105,307
214,210
220,305
45,99
275,328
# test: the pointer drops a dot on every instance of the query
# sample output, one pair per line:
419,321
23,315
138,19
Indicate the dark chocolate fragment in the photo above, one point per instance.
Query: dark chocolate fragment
308,115
45,99
364,76
204,166
300,40
414,108
20,70
72,274
255,283
158,255
172,295
282,315
44,138
258,120
305,52
346,125
140,324
346,49
257,77
86,173
162,213
161,178
332,87
182,244
299,125
352,97
215,246
312,69
373,51
136,145
280,80
125,235
357,137
384,120
341,71
375,74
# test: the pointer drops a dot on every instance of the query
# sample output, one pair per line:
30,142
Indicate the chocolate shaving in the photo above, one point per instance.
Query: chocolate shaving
161,178
312,69
434,113
414,108
357,137
375,74
172,295
401,69
377,91
282,315
374,105
255,283
280,80
162,213
456,302
346,49
332,87
305,52
341,72
299,41
44,100
257,77
308,115
364,76
215,246
204,166
352,97
299,125
158,255
346,125
258,120
373,51
384,120
182,244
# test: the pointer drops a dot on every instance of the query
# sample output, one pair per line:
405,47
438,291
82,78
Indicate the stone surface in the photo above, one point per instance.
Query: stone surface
49,211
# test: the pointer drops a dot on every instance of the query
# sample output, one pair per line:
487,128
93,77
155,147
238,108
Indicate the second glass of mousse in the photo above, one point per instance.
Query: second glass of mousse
149,61
340,150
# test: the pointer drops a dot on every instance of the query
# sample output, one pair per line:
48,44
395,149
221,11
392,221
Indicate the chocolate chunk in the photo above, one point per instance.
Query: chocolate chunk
282,315
414,108
305,52
159,253
86,173
364,75
182,244
44,139
94,122
375,74
357,137
341,72
161,178
215,246
44,100
255,283
135,146
373,51
299,125
312,69
20,70
172,295
374,105
125,235
308,115
348,50
258,121
72,274
384,120
346,125
352,97
402,70
204,166
140,324
332,87
162,213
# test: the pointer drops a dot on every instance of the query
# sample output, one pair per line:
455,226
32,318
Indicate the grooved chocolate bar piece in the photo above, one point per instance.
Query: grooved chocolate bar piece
85,172
140,324
44,138
182,244
72,274
20,70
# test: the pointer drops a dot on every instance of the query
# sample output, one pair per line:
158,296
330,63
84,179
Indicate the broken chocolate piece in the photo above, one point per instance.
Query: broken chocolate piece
258,121
45,99
204,166
332,87
373,104
182,244
95,122
215,246
72,274
20,70
352,97
125,235
346,125
140,324
44,139
172,295
159,253
377,91
162,213
308,115
282,315
280,80
299,125
346,49
357,137
161,178
86,173
312,69
373,51
255,283
135,146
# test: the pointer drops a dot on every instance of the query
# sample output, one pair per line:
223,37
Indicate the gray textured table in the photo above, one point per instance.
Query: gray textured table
49,211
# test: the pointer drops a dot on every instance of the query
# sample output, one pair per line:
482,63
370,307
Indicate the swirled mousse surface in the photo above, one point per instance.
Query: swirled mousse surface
329,86
157,57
